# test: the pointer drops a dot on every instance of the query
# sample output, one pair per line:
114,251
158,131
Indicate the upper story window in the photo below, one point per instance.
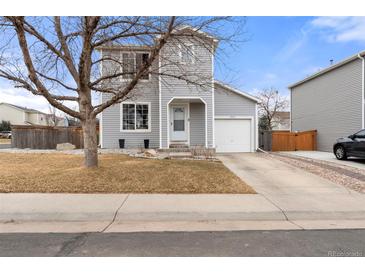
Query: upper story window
131,62
187,54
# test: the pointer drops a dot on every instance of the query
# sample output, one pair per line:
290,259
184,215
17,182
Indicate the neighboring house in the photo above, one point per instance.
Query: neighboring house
330,101
281,120
25,116
169,112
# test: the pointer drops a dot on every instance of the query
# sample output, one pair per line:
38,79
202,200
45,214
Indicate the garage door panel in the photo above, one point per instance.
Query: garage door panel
233,135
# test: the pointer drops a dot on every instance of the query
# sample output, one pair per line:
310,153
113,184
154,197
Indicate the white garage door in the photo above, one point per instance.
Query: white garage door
233,135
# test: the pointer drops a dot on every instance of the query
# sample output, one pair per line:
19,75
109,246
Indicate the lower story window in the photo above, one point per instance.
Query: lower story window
135,116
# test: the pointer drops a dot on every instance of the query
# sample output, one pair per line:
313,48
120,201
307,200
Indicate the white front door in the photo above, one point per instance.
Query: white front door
178,123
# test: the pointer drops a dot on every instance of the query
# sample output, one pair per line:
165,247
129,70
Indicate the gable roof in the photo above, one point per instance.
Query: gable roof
328,69
198,31
22,108
241,93
182,28
282,115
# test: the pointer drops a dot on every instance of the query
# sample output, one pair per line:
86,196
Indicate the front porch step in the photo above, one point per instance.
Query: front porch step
176,155
182,149
179,146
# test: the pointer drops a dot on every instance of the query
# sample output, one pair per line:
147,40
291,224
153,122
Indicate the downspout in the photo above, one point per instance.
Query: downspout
362,90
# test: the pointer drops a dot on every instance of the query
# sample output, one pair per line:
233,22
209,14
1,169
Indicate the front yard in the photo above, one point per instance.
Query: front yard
117,173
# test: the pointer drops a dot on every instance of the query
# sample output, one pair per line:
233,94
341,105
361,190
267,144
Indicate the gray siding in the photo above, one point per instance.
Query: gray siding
197,124
228,103
172,87
330,103
146,91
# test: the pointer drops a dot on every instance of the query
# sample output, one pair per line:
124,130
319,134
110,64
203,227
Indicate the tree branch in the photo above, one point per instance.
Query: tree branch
18,23
154,54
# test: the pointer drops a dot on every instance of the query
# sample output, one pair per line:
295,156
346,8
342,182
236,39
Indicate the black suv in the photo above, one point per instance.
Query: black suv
354,145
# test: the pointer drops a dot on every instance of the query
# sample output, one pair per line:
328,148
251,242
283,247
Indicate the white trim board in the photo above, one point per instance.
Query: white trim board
244,94
159,100
213,102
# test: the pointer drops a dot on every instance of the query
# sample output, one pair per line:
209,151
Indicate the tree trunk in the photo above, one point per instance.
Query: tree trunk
90,142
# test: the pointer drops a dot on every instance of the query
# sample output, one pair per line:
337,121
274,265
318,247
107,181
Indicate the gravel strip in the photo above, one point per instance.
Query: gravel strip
352,178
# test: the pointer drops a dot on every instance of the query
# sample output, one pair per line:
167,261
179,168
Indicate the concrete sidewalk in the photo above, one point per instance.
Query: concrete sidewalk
136,207
163,212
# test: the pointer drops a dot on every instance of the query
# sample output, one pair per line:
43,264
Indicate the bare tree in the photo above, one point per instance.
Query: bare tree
59,59
53,117
270,103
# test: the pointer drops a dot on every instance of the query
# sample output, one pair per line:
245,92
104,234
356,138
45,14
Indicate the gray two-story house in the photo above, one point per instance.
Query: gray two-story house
330,101
178,103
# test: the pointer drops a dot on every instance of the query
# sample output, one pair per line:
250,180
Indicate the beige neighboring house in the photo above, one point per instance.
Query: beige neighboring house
18,115
281,120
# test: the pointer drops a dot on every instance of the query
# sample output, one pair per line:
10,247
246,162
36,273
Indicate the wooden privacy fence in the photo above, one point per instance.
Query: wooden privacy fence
45,137
291,141
265,139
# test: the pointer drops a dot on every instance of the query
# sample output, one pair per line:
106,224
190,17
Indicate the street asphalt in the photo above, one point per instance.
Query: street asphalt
228,243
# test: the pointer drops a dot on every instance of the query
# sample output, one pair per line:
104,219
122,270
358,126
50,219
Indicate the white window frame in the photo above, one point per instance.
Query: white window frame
134,64
181,54
135,116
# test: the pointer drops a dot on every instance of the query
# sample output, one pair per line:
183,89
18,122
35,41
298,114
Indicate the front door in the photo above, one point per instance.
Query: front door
178,123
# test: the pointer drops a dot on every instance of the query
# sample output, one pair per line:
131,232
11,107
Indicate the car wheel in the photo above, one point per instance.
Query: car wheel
340,153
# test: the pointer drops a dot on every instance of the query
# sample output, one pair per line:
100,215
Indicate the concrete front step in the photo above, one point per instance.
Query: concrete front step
178,146
175,155
174,149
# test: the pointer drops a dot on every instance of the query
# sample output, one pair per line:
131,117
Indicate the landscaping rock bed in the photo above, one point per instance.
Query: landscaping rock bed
350,177
138,153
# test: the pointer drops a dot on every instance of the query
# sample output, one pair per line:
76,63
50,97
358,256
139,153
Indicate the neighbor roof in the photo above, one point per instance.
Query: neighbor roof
282,115
23,108
145,47
330,68
244,94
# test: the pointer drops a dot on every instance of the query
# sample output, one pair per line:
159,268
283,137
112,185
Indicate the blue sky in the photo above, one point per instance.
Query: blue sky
279,51
282,50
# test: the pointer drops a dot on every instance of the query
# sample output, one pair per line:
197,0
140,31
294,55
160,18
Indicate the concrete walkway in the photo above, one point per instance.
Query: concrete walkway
297,193
329,157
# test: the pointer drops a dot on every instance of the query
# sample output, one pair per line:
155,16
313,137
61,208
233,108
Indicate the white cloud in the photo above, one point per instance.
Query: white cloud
270,76
24,98
293,45
341,29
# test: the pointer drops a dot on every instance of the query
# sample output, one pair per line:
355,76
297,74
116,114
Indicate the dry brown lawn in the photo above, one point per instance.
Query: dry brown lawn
5,141
117,174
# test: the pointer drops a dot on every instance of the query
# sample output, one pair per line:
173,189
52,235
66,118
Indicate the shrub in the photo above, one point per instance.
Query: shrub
5,126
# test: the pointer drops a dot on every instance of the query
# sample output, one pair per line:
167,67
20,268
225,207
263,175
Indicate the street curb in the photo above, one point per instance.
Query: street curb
179,216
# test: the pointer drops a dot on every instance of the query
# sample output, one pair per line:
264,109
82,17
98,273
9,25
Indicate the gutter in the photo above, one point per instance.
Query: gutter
362,90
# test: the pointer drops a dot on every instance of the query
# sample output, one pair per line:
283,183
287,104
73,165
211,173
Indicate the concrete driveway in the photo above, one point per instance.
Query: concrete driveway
329,157
298,193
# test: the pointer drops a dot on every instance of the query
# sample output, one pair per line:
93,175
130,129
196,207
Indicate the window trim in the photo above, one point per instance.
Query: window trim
193,51
135,116
135,63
